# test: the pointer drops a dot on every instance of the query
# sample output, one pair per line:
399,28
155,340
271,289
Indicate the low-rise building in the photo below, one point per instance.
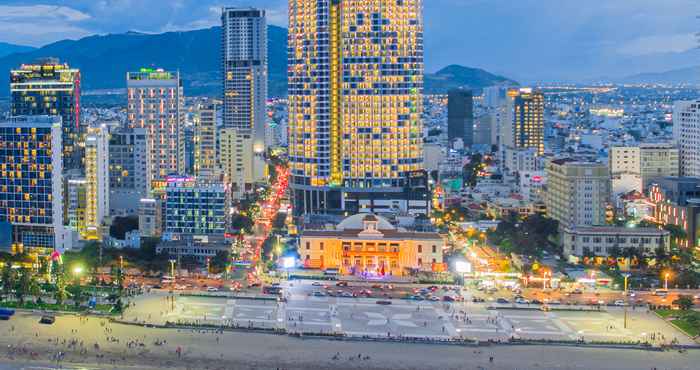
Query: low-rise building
200,248
370,244
600,241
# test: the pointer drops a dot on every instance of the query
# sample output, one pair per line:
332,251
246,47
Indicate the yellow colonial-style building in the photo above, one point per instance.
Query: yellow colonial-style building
366,243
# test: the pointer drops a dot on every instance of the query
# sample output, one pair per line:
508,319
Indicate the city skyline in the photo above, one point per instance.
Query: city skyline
594,40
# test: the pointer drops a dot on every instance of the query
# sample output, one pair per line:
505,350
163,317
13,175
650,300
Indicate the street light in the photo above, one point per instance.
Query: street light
666,276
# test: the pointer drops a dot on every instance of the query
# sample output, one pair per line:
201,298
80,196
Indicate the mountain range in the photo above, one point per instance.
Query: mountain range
105,59
7,49
689,75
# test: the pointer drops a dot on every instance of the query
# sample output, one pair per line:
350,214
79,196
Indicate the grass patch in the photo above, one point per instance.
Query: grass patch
687,321
106,308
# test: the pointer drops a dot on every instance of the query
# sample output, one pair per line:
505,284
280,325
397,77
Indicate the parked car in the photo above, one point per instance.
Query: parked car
342,283
47,319
522,300
212,289
384,303
502,301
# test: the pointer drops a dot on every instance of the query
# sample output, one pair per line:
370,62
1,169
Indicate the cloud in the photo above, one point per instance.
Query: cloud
20,13
38,24
658,44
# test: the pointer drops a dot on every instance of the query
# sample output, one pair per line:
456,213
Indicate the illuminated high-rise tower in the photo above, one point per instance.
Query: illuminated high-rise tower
31,182
48,87
355,102
525,129
156,103
244,57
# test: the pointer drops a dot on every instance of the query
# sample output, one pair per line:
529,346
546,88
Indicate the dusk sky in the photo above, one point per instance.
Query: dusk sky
524,39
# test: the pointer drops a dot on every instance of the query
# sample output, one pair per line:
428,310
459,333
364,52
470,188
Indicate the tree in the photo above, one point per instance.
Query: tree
122,225
684,302
8,280
34,288
60,293
220,261
22,288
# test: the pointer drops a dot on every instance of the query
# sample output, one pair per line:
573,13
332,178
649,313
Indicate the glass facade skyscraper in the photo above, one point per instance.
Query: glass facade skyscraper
31,182
460,116
48,87
355,100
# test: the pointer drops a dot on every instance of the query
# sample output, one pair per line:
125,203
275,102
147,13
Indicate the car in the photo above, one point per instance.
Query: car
342,283
376,286
383,303
448,298
478,300
47,320
316,283
346,294
435,299
502,301
416,298
555,303
536,301
577,291
521,300
331,293
212,289
319,294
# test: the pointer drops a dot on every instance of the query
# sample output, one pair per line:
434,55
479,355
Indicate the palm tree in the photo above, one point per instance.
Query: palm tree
22,288
34,288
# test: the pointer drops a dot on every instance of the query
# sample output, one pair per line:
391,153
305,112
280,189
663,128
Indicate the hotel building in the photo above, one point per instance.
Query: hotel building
31,182
677,202
129,172
636,167
97,181
524,126
156,104
366,243
195,207
355,100
205,139
577,192
48,87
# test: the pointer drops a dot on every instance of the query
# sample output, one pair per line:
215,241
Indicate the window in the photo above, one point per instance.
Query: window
321,245
308,246
434,249
420,248
434,260
308,257
420,261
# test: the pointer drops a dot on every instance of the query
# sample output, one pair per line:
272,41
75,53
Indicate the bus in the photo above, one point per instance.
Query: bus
661,292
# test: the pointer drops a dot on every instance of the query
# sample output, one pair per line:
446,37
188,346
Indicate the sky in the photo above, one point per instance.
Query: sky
529,40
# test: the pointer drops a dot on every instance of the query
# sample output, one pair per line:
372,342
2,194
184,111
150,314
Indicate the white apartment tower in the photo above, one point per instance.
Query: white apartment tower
686,133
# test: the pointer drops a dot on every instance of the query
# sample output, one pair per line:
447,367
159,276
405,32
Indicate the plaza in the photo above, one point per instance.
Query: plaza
405,319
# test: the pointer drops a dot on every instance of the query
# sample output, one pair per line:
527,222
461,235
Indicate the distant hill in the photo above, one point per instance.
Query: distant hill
456,76
104,61
690,75
7,49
